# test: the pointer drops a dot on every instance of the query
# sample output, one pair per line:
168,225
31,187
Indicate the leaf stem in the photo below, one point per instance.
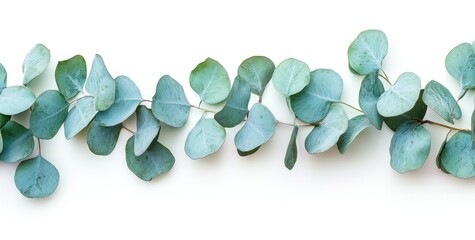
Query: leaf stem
127,129
39,146
442,125
385,76
146,100
348,105
203,109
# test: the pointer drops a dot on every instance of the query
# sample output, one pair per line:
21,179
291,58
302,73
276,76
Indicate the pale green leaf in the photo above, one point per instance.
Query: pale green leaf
439,99
16,99
70,76
101,140
400,97
79,116
147,130
458,156
256,72
101,84
291,153
258,129
204,139
17,142
169,103
235,109
36,177
35,63
416,113
48,114
3,77
370,91
291,76
367,51
210,81
355,126
460,63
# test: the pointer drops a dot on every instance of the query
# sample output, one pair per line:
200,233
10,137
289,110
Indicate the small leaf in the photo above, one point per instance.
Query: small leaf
169,103
291,153
258,129
79,116
205,138
439,99
101,140
127,98
256,72
355,126
458,156
70,76
153,162
401,97
326,134
291,76
35,63
3,77
247,153
210,81
410,147
416,113
48,114
370,91
14,100
36,177
367,51
313,102
17,142
235,109
101,84
147,130
460,63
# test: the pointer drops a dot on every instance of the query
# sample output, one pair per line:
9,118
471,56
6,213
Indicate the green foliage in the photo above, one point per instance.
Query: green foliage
235,109
205,138
210,81
79,117
416,113
291,76
291,153
35,63
258,129
70,76
3,77
36,177
17,142
458,156
169,103
367,51
355,126
439,99
460,63
101,84
101,140
400,97
370,91
14,100
147,130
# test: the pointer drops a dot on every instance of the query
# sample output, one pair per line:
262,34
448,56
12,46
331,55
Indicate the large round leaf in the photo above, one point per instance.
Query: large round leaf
127,98
48,114
147,130
460,63
256,72
458,156
355,126
410,147
3,77
258,129
36,177
367,51
291,76
328,131
101,84
14,100
235,109
169,103
370,91
401,97
101,140
211,81
17,142
79,116
70,76
153,162
291,153
313,102
416,113
205,138
439,99
35,62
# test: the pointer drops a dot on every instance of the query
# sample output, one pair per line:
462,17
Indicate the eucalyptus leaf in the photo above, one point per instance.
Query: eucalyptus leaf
169,103
258,129
16,99
35,63
291,76
355,126
210,81
48,114
36,177
204,139
235,109
460,63
101,140
400,97
79,116
416,113
313,102
438,159
247,153
439,99
3,77
147,130
256,72
370,91
101,84
367,51
291,153
458,156
70,76
17,142
410,147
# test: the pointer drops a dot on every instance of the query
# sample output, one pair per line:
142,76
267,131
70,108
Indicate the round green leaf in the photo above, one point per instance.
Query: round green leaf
416,113
127,98
458,156
400,97
147,130
235,109
328,131
367,51
101,140
169,103
205,138
48,114
460,63
210,81
153,162
258,129
35,62
256,72
3,77
439,99
313,102
70,76
36,177
291,76
101,84
17,142
291,153
410,147
370,91
355,126
79,116
14,100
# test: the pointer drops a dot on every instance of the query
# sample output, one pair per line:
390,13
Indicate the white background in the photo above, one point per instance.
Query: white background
356,195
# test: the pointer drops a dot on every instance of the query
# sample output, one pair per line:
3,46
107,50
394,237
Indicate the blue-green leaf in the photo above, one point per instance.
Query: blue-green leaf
210,81
460,63
410,147
48,114
147,130
400,97
256,72
355,126
169,103
16,99
79,116
101,140
291,76
153,162
258,129
205,138
458,156
35,62
328,131
36,177
17,142
291,153
247,153
438,159
70,76
235,109
416,113
101,84
370,91
3,77
367,51
313,102
127,98
439,99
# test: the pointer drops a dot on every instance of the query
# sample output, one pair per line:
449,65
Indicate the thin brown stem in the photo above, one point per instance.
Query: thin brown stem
203,109
385,77
348,105
443,125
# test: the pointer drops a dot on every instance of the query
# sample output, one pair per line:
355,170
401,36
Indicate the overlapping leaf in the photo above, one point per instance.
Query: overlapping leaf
48,114
370,91
17,142
400,97
367,51
169,103
439,99
458,156
258,129
101,140
148,128
416,113
235,109
3,77
291,76
256,72
460,63
70,76
355,126
101,84
16,99
205,138
79,116
210,81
